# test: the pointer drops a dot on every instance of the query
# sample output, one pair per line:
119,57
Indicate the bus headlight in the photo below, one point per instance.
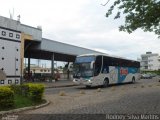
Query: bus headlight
90,81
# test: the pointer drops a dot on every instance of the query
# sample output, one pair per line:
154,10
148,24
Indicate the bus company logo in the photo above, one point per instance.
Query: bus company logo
123,71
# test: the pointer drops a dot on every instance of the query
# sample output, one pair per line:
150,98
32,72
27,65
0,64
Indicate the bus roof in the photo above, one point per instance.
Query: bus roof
107,55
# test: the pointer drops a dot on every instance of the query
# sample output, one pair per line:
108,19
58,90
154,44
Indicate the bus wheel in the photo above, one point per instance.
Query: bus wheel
105,83
133,80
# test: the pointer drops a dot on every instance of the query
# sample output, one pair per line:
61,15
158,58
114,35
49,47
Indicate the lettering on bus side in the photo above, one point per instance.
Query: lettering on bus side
123,71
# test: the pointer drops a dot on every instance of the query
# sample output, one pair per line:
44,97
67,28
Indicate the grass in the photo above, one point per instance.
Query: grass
149,85
62,93
82,92
21,101
113,89
99,90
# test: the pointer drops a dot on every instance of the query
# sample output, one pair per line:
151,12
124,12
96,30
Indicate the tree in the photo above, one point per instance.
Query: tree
144,14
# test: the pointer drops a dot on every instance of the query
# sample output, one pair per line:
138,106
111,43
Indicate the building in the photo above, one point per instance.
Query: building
10,42
44,74
150,61
19,41
40,70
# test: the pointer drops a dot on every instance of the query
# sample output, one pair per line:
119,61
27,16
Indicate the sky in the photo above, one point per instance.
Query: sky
82,23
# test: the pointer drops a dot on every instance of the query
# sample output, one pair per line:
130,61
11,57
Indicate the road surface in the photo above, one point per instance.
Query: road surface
143,97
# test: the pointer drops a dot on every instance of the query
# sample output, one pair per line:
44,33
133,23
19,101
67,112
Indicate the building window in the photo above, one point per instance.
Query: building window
41,70
2,69
10,34
17,69
3,47
16,81
17,36
3,33
2,81
9,81
2,58
17,49
48,70
17,59
146,67
44,70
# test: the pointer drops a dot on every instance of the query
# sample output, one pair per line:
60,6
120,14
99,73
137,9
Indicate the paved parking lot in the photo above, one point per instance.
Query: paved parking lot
142,97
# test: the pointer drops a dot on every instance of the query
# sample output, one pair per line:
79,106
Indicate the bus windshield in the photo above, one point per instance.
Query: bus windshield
82,67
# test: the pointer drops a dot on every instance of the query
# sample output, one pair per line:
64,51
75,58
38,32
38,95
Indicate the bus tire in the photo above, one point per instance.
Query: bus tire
106,82
133,79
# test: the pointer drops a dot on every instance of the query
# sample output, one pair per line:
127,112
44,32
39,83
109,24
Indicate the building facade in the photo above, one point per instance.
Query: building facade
10,41
13,35
19,41
150,61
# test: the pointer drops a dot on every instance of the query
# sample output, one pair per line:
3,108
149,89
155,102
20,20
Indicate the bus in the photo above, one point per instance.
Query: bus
101,69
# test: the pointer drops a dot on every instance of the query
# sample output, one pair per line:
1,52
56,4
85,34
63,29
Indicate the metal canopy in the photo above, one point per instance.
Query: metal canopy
46,48
45,55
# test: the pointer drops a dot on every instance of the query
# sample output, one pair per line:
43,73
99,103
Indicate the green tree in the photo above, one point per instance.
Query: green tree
144,14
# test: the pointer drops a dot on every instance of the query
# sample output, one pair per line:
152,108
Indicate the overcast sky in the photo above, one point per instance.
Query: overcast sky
82,23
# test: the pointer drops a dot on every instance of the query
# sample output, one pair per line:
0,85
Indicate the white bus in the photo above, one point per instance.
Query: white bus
98,69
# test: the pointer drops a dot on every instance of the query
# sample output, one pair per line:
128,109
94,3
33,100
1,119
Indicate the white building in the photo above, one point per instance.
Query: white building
10,40
19,41
150,61
40,70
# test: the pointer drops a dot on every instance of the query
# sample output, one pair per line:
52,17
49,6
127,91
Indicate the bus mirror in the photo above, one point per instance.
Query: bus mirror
92,64
70,66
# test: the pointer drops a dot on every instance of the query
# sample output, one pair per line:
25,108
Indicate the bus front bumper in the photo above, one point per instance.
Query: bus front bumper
82,82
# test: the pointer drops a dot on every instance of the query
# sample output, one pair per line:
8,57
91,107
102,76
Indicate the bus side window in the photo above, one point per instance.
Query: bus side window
98,65
97,69
105,69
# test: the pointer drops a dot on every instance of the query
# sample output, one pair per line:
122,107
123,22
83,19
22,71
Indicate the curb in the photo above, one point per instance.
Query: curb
25,108
61,86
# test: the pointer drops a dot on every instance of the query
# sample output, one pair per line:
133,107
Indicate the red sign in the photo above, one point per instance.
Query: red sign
123,71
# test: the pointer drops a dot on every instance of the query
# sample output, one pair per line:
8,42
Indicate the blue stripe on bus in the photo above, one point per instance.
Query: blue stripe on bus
121,77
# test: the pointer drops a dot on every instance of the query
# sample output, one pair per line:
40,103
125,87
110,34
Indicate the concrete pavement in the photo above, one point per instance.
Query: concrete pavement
139,98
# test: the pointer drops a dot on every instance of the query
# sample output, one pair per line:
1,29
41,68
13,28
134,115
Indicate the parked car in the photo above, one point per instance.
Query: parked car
146,76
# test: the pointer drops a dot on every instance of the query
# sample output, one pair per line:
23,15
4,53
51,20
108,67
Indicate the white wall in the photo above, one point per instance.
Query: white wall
10,55
153,62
